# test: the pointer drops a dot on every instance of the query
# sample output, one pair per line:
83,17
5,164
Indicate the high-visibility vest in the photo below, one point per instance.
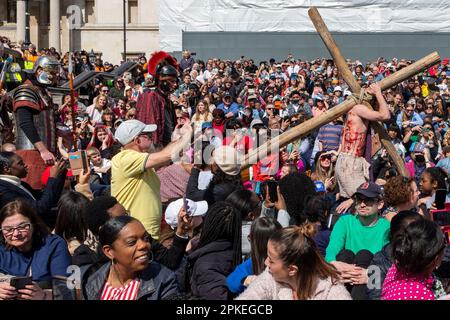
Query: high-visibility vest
425,90
13,76
29,60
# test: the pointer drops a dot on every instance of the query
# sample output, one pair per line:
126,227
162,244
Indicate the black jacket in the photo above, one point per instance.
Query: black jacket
211,266
384,261
45,200
157,283
212,194
170,258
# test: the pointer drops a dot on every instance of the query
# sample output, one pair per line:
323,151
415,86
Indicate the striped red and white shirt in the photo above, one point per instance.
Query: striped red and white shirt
129,292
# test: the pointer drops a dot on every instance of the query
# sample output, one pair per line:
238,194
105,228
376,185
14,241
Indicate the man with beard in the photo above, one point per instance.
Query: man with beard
34,114
357,237
155,106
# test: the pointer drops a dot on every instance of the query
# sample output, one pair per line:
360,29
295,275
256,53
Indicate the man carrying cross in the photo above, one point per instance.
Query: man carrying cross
352,169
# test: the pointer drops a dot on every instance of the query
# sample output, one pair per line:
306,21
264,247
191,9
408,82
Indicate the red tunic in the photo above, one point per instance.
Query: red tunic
150,110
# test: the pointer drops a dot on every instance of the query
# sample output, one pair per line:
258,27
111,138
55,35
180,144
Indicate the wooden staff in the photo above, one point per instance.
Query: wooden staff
335,112
72,103
347,75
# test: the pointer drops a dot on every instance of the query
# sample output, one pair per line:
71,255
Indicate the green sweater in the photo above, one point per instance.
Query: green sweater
349,233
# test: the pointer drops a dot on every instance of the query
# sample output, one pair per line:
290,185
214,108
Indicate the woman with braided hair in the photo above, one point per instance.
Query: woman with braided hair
295,270
218,253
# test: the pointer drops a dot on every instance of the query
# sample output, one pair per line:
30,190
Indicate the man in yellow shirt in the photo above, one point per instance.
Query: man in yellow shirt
134,181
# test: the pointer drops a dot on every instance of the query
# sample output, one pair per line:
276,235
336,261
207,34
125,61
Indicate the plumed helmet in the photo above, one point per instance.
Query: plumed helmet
50,67
162,64
167,70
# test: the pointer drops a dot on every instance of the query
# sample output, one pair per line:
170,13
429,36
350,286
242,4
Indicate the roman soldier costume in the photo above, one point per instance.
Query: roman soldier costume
35,122
155,106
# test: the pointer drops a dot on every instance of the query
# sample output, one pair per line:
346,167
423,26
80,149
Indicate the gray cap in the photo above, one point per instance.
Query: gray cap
130,129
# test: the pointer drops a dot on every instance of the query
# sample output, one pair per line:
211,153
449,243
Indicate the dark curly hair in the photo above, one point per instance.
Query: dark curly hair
398,190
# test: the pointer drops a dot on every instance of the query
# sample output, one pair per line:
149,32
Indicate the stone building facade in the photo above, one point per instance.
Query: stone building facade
98,25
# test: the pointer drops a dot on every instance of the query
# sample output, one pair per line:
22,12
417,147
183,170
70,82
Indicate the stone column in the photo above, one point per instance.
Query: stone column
55,27
21,20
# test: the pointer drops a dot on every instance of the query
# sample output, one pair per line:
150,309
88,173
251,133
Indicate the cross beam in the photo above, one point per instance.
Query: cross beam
348,77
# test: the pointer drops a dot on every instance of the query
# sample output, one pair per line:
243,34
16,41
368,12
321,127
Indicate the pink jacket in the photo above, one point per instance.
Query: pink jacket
410,168
264,287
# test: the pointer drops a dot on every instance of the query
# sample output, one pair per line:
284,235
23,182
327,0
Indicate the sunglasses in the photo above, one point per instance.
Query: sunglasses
325,157
146,134
367,201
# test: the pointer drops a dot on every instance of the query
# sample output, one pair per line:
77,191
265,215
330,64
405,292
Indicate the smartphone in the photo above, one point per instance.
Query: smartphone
78,162
440,197
20,282
273,192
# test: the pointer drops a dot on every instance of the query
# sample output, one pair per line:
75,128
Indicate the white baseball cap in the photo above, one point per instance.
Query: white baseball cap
228,160
195,208
130,129
338,88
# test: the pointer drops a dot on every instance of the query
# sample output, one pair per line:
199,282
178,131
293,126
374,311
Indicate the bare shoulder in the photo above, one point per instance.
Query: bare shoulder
358,110
356,113
365,114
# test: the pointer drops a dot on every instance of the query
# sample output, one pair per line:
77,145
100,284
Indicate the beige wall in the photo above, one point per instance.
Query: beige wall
149,11
7,30
105,35
110,41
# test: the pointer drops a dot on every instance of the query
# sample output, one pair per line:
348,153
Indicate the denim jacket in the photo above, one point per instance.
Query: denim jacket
156,283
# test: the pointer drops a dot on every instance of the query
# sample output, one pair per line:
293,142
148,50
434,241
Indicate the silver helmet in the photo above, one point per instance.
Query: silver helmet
46,69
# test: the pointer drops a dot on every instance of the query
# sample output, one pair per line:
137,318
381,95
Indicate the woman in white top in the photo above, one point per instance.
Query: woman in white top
95,111
201,115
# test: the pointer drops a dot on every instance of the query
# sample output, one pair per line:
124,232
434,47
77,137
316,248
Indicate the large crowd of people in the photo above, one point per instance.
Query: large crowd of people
165,208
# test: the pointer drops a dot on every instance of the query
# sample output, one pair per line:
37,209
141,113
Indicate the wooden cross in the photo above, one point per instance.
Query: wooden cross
348,77
304,128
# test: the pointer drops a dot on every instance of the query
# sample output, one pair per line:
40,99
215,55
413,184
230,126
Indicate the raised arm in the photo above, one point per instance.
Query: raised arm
172,150
382,114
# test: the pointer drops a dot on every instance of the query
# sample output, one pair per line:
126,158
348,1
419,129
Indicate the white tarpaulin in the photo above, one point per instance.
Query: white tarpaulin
177,16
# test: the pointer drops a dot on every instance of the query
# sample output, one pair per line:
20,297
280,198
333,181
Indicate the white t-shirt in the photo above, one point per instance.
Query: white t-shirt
204,178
